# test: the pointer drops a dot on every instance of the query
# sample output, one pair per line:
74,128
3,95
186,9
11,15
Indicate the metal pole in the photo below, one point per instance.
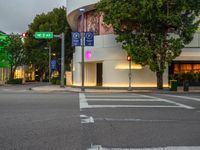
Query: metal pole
49,64
82,46
62,60
129,88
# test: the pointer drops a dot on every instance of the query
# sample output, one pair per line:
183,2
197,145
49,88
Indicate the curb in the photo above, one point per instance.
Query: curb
111,91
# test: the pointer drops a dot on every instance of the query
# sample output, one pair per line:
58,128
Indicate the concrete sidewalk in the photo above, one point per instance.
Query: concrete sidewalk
57,88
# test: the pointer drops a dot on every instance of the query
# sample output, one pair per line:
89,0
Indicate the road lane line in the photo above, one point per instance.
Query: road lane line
99,147
183,97
130,120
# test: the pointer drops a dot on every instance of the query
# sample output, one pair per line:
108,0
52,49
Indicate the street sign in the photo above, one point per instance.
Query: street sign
89,39
53,64
44,35
76,39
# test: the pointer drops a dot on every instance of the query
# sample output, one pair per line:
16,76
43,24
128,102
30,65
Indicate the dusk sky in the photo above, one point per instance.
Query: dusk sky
16,15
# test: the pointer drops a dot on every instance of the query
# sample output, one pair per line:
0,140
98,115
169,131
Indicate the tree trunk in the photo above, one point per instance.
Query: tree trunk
159,76
12,72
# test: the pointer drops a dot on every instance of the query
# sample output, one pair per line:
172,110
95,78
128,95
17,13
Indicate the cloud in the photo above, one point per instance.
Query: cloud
16,15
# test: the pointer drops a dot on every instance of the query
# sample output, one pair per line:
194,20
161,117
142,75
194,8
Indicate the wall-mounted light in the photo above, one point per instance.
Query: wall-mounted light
88,55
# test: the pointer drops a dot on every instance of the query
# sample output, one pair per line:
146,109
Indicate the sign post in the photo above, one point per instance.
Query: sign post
50,35
82,39
62,60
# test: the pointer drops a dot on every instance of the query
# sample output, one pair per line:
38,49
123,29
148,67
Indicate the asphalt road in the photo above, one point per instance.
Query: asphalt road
122,121
73,121
35,121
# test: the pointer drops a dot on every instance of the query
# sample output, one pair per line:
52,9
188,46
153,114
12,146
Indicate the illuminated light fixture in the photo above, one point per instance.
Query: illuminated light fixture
129,58
88,55
82,10
133,85
126,66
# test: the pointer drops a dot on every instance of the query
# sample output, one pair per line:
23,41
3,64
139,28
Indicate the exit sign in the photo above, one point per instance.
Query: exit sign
44,35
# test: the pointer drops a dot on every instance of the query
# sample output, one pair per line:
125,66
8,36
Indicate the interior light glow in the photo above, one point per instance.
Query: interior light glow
126,66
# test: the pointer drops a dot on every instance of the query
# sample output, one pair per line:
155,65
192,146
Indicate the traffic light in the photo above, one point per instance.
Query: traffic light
129,58
27,34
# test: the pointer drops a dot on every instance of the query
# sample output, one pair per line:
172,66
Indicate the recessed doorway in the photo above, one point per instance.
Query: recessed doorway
99,80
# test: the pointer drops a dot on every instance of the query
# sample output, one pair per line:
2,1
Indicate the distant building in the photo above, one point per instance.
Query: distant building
108,65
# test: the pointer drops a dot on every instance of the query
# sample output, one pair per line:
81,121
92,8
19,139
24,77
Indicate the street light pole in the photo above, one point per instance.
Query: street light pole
62,60
49,64
82,10
129,74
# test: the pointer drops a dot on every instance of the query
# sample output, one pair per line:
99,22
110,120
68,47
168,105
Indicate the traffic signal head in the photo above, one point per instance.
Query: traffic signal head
27,34
129,58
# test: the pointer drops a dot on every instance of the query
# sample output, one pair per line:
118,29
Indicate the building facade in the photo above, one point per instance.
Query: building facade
108,65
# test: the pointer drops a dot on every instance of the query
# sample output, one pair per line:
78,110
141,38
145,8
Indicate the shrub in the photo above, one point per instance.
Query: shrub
15,81
56,81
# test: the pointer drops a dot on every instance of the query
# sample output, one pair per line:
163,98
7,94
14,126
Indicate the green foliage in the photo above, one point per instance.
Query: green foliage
3,52
56,81
54,21
192,77
153,32
15,81
15,53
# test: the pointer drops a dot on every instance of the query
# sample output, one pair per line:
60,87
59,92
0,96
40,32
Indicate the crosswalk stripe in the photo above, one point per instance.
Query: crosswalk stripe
84,99
122,100
184,97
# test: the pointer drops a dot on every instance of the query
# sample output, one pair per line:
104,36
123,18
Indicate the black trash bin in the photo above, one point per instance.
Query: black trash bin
173,85
186,85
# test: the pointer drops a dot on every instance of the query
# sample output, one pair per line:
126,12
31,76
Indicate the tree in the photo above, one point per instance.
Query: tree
153,32
53,21
3,52
16,53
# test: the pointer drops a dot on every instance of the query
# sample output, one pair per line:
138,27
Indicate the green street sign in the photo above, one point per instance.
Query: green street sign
44,35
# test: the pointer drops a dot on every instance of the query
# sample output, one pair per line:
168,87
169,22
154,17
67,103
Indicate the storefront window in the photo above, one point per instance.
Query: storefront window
184,68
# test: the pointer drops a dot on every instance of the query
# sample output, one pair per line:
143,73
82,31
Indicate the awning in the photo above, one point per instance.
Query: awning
188,58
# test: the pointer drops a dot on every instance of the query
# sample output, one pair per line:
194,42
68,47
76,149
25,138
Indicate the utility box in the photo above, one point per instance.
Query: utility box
173,85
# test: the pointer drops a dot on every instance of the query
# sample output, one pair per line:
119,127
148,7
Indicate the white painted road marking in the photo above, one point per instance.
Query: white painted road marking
117,96
129,100
99,147
130,120
86,119
184,97
84,102
172,102
131,106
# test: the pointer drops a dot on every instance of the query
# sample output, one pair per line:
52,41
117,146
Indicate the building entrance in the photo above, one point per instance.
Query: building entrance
99,80
185,70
